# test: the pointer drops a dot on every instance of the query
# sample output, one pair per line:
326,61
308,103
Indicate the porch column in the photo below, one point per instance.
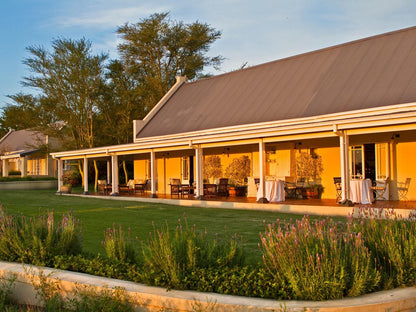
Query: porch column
262,157
60,173
85,175
114,175
5,169
23,166
345,176
108,171
153,174
199,173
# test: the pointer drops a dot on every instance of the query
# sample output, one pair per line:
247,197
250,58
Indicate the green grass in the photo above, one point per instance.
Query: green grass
98,214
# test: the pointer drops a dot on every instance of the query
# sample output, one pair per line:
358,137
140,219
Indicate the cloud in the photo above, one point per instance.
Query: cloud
105,17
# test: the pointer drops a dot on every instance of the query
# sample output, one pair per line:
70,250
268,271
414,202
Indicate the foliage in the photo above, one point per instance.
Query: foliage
37,240
72,178
87,298
70,78
212,167
393,245
238,169
308,167
156,50
169,258
117,245
29,178
320,260
15,172
6,290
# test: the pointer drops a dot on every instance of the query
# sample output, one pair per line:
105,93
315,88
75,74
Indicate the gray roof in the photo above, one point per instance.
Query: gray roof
367,73
22,140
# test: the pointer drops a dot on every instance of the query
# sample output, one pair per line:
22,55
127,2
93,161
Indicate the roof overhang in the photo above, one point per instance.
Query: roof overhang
402,116
18,154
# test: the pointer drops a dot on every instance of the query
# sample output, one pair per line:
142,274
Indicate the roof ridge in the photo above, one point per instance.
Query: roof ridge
309,52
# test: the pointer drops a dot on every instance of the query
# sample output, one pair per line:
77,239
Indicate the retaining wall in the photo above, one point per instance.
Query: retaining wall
151,299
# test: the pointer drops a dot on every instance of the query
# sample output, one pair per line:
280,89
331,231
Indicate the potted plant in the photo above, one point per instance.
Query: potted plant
308,169
237,171
212,168
69,179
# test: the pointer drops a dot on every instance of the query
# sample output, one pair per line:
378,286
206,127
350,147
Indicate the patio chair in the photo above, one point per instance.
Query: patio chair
223,188
290,187
102,187
403,188
139,187
338,188
175,188
380,188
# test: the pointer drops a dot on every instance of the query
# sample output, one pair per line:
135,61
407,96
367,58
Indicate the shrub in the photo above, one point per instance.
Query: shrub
36,240
167,259
393,244
117,245
15,173
320,260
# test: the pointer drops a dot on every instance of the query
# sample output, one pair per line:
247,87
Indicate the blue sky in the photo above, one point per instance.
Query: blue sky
252,31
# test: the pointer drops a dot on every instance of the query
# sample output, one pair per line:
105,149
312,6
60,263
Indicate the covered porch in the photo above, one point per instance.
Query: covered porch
375,153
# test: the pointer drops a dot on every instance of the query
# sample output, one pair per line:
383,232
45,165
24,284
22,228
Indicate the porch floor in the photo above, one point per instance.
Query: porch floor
298,206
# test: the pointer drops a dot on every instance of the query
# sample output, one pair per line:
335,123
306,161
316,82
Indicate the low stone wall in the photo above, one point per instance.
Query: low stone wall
29,185
150,299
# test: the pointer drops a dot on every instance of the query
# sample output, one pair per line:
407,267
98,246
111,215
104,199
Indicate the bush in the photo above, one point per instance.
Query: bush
118,246
15,173
392,242
167,259
320,260
37,240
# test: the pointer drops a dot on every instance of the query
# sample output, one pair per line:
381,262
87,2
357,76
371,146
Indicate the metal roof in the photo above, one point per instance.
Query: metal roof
21,141
372,72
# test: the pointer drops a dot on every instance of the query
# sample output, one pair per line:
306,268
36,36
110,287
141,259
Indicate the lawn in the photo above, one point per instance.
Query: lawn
98,214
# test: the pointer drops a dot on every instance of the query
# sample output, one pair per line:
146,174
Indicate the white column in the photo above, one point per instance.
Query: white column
153,166
23,166
345,176
60,173
262,157
5,169
108,172
114,174
85,175
199,173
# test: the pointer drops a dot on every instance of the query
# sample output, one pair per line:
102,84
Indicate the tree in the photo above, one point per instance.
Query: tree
156,50
70,77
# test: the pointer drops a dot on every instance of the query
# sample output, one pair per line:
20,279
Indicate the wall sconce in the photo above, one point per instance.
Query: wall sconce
226,150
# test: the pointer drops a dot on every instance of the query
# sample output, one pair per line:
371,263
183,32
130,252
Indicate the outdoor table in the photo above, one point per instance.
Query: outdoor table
274,191
360,191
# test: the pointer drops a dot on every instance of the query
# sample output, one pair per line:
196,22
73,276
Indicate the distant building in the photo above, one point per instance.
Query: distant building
25,153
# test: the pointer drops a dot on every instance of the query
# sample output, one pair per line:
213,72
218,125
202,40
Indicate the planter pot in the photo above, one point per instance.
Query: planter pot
312,193
67,189
231,191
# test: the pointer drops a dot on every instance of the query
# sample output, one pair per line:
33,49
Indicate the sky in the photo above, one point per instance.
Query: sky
253,32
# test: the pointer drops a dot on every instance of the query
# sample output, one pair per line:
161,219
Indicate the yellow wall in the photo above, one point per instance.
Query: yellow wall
331,164
405,165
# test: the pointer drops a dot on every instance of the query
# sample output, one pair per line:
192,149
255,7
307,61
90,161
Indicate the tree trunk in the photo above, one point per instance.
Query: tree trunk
125,172
96,175
81,172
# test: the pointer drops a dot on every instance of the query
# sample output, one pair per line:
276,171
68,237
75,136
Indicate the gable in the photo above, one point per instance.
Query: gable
373,72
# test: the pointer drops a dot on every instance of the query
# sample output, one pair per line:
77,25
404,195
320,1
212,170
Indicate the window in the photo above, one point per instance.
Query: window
381,150
185,168
356,155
